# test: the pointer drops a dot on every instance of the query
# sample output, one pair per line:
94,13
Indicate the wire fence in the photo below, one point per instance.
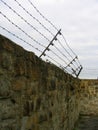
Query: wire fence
46,43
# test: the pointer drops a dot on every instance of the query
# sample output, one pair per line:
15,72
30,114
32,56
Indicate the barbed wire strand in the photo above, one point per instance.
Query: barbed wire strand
33,28
30,26
59,57
40,23
64,49
63,61
60,66
20,38
70,61
70,48
25,20
55,28
21,29
76,57
29,45
66,52
49,22
34,18
42,15
26,33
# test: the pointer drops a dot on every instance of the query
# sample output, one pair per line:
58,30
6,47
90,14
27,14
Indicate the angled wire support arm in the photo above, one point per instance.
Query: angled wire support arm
79,71
51,43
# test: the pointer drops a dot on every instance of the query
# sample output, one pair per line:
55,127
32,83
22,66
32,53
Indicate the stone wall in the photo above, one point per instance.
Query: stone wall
35,95
89,97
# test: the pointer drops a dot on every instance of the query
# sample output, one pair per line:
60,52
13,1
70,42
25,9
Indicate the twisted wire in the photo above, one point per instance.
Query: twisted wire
70,48
21,29
29,44
34,18
68,52
60,66
25,20
64,56
56,29
42,15
20,38
32,46
30,36
52,34
70,62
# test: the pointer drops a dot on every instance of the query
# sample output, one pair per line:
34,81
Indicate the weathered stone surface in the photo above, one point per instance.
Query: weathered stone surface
89,97
86,122
18,84
35,95
4,86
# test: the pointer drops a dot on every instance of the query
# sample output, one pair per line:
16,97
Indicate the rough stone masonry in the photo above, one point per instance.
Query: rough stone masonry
89,97
35,95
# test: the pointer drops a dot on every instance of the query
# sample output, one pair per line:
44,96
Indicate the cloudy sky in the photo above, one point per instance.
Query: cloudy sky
78,20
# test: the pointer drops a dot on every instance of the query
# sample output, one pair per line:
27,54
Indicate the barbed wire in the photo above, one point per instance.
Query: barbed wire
45,28
71,65
60,66
13,34
52,25
34,18
30,36
42,15
30,45
70,48
19,38
21,29
25,20
30,24
62,54
56,30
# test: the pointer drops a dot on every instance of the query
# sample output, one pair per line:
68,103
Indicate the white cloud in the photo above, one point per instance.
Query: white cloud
78,20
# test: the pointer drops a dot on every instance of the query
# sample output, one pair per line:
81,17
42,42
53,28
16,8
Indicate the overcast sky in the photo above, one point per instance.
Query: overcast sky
78,20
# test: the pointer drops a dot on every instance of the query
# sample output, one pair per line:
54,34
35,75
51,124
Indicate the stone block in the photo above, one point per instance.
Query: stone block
18,84
8,110
4,86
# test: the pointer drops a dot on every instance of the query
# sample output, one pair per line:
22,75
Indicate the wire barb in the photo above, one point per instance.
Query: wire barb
42,15
25,20
65,59
21,29
34,18
20,38
50,42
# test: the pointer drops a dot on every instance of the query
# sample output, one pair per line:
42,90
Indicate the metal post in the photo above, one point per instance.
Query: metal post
51,43
79,71
70,62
